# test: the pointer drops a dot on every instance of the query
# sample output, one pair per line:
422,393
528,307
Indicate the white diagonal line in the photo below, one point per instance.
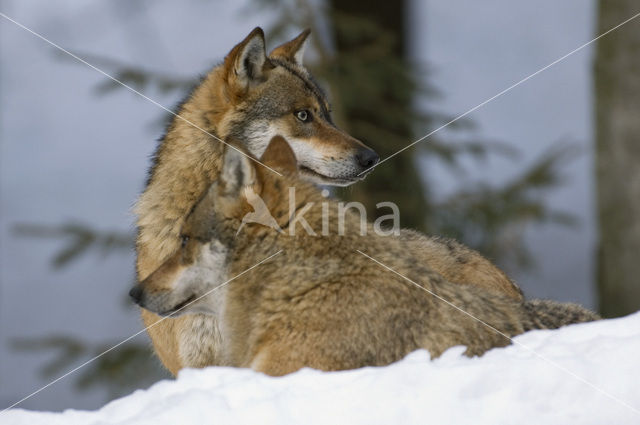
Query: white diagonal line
577,49
135,91
136,334
551,362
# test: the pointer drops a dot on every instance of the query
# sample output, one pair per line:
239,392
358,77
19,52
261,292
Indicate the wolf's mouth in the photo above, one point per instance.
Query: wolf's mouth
333,181
178,307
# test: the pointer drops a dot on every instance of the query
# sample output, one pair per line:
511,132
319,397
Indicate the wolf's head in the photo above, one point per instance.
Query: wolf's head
269,95
209,233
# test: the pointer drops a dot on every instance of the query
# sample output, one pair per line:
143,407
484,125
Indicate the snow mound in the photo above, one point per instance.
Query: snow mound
581,374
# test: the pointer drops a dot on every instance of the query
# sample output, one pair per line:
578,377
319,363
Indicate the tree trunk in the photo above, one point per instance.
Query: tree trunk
370,48
617,108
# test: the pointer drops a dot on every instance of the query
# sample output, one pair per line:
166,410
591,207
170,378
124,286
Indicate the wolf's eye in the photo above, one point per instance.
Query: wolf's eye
303,115
184,240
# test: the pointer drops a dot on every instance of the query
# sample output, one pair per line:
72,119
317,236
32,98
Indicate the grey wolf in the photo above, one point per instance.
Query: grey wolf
250,97
320,304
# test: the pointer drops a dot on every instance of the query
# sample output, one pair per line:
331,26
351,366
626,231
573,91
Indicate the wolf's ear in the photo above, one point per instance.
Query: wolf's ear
247,61
280,156
237,173
292,50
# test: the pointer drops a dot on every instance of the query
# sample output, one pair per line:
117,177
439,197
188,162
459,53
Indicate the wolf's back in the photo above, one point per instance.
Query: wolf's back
546,314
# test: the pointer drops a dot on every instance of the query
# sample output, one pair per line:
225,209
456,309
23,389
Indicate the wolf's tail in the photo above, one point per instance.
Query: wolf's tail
546,314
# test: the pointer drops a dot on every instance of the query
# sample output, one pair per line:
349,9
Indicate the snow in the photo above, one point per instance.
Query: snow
581,374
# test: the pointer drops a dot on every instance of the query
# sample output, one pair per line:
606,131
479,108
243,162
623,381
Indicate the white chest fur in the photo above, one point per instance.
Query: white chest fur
202,342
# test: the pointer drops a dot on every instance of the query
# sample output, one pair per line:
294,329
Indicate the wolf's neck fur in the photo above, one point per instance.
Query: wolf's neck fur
187,161
322,215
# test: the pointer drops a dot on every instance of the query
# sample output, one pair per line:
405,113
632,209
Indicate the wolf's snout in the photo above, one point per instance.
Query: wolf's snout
136,294
367,158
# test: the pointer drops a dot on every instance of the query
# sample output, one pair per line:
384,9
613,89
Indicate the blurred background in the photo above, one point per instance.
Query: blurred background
543,180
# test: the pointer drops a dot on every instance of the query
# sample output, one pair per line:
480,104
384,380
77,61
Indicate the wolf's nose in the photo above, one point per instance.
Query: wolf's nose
367,158
136,293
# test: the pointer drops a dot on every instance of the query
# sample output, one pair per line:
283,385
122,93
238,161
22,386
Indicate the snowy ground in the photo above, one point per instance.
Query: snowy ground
582,374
